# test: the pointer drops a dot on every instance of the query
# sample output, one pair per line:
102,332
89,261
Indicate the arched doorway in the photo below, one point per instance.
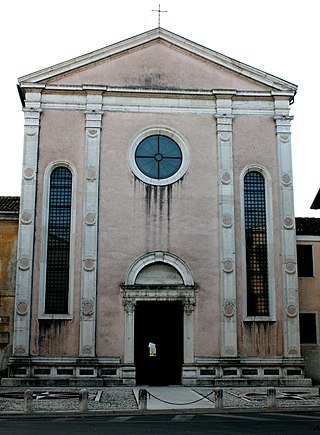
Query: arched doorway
159,297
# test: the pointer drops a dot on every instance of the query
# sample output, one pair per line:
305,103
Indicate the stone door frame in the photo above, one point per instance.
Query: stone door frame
186,293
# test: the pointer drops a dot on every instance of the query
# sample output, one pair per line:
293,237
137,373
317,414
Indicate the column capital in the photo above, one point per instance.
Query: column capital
283,118
32,117
283,123
93,119
224,121
129,305
31,111
189,305
227,117
32,101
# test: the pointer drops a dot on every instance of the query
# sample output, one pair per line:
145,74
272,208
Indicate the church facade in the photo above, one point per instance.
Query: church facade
157,233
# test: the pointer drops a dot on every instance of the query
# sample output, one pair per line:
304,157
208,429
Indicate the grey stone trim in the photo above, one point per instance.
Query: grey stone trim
288,235
224,127
159,256
90,225
186,293
161,130
21,335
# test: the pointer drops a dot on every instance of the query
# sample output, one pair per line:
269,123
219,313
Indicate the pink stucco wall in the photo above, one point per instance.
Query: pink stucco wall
157,64
142,218
135,218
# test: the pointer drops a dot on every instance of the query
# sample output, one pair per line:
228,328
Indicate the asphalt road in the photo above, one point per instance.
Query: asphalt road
225,424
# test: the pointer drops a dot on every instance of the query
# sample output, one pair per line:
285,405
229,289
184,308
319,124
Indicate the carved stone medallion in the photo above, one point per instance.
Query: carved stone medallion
22,308
24,263
90,218
290,267
228,265
88,264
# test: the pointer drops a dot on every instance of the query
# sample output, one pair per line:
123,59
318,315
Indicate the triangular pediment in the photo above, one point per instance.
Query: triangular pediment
158,59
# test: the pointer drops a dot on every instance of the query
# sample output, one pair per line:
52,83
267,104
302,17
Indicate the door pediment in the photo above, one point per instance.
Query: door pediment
159,276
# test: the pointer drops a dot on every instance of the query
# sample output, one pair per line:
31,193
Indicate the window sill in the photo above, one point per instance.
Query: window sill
306,277
55,317
260,319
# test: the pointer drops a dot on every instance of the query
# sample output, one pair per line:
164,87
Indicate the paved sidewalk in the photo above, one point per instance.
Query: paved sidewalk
122,400
175,398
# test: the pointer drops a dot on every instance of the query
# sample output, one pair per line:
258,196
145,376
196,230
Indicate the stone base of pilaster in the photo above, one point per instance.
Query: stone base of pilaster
103,372
242,372
69,372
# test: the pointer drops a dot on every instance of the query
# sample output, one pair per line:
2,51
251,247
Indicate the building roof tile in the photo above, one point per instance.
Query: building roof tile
308,226
9,204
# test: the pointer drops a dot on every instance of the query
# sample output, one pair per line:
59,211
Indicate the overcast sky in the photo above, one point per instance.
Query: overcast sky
280,37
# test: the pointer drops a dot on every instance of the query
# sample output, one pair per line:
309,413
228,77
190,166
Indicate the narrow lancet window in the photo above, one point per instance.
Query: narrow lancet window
58,242
256,244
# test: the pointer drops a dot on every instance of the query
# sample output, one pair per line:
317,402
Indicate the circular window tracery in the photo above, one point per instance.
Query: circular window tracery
159,156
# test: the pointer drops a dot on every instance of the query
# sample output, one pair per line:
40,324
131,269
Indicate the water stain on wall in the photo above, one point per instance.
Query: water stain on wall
53,337
158,204
261,339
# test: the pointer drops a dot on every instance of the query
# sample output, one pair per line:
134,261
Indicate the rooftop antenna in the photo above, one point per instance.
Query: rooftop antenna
159,12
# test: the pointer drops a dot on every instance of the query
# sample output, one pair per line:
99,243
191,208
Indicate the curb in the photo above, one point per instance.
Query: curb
137,412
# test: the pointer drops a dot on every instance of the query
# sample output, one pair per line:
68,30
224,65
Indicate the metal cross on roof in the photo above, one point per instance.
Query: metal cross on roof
159,12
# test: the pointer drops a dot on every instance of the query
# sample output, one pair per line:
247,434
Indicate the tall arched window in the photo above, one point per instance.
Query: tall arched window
255,216
58,242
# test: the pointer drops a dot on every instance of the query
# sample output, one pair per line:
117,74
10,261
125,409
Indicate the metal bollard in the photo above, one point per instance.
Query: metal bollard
28,401
218,398
271,397
83,400
143,399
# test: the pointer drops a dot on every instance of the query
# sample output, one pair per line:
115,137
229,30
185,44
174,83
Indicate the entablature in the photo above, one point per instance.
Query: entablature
143,99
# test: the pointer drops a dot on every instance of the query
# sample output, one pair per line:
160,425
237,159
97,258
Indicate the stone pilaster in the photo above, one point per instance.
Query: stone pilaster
288,235
129,308
90,226
188,335
21,337
224,119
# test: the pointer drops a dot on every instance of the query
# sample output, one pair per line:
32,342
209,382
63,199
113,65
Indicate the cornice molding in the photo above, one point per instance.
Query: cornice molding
105,89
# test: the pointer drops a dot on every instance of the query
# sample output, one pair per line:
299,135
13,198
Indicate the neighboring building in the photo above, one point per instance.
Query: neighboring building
9,223
316,202
157,233
308,256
